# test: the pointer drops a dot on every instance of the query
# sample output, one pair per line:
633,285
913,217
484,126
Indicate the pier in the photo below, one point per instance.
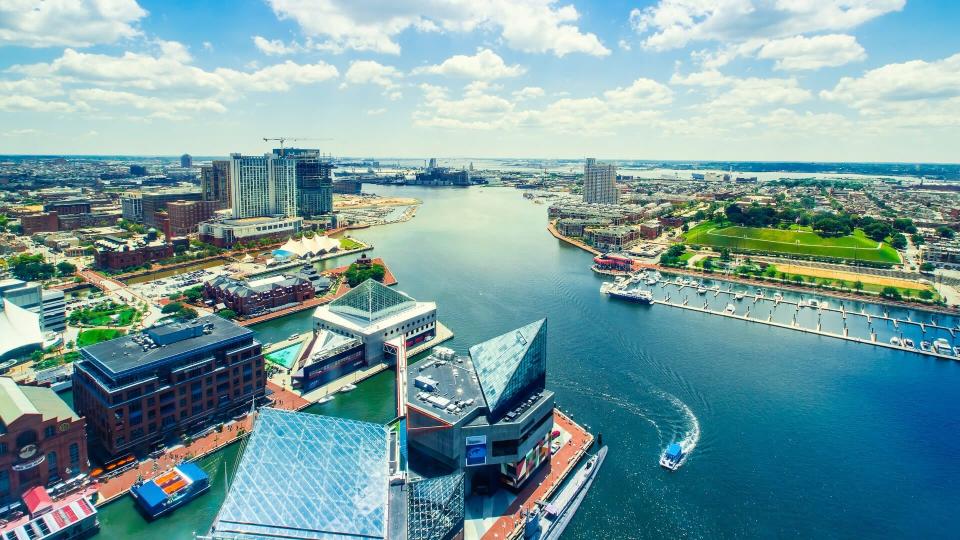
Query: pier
810,315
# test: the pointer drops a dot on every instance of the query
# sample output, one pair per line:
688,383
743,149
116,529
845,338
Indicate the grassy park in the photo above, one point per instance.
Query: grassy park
795,241
89,337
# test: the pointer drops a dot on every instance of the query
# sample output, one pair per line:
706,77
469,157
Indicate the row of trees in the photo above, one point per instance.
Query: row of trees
30,267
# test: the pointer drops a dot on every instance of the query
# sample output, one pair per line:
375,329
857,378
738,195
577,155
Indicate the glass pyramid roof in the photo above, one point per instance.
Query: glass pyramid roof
434,507
506,364
305,476
371,300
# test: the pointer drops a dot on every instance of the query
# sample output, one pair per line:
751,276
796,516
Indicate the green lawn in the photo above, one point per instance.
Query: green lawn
89,337
794,242
347,244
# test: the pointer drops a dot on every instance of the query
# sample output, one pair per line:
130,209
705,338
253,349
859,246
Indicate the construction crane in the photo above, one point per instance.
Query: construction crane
284,139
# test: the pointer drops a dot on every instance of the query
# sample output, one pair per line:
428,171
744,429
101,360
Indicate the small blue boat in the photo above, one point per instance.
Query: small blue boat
672,457
170,490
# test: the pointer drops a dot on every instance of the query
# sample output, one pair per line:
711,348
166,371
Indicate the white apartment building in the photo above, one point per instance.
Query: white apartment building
263,186
599,183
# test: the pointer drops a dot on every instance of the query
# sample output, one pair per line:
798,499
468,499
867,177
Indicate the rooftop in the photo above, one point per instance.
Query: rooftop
445,386
509,362
17,400
306,476
159,343
370,301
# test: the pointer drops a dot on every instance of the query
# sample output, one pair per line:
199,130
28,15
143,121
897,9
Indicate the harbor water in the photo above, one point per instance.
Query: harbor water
790,433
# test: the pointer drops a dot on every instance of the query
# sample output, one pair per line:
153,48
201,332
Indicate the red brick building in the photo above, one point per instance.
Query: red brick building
184,216
252,297
143,388
117,253
42,442
42,222
651,229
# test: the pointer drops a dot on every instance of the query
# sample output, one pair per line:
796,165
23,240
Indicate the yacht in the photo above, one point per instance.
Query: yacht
942,346
678,281
641,296
730,309
778,296
701,290
651,280
908,343
347,388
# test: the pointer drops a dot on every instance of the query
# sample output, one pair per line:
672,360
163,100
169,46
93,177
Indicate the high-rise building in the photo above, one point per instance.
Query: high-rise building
156,201
215,183
186,160
131,206
599,182
314,180
263,186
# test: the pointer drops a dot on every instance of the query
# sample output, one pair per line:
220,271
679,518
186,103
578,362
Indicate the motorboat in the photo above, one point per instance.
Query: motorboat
942,346
701,290
908,343
673,457
925,346
739,295
895,341
730,309
347,388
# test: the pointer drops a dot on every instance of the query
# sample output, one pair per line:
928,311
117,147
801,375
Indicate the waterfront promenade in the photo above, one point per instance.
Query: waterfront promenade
545,481
233,431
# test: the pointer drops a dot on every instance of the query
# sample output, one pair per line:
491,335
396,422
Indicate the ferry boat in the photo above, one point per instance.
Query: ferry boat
548,520
672,457
347,388
730,309
170,490
641,296
739,295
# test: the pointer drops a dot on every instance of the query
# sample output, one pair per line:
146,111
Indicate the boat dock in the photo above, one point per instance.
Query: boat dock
859,322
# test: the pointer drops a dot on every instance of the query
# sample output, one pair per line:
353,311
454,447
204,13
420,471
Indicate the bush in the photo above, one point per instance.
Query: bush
227,313
172,307
891,293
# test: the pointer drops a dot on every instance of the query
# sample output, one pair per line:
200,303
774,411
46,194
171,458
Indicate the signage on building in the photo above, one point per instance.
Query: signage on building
27,451
29,464
476,450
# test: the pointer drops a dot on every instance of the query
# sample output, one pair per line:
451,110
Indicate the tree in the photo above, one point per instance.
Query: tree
917,239
66,269
227,313
357,274
890,292
926,267
172,307
194,294
858,285
797,278
29,267
946,232
899,241
926,294
187,313
708,265
878,230
724,254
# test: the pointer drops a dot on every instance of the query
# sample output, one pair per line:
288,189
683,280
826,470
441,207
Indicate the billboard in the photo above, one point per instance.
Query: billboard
476,450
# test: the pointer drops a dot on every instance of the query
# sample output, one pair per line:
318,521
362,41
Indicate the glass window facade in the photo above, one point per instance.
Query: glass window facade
509,364
308,477
435,507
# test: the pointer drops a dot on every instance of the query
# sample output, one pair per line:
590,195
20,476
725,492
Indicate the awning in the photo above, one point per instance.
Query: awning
37,500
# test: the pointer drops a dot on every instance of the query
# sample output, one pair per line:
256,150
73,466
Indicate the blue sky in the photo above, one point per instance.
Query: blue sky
847,80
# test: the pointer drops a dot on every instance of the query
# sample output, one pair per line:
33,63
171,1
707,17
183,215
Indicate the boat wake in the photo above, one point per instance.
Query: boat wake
689,439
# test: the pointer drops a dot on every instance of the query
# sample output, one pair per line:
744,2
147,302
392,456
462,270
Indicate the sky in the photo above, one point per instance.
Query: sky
771,80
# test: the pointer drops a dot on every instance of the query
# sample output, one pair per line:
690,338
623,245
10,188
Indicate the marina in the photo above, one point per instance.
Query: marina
872,324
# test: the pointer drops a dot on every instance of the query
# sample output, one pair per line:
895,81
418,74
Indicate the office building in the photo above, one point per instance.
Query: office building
140,389
599,183
375,313
226,233
54,308
39,222
68,206
156,201
306,476
487,414
43,440
49,305
347,187
314,180
263,186
186,161
131,207
215,183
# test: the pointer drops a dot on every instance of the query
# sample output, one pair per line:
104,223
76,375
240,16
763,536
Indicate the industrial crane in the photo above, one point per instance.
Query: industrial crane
284,139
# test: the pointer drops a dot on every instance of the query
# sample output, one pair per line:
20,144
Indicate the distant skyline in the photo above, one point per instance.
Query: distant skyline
749,80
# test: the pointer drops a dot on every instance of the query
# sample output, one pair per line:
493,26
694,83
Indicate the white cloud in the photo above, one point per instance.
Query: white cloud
528,25
641,92
146,81
72,23
709,77
673,24
275,47
370,72
529,92
624,45
801,53
485,65
907,81
752,92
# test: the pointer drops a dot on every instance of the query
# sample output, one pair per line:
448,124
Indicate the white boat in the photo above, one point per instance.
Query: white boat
942,346
813,303
777,296
739,295
907,343
673,457
715,288
325,399
634,295
759,293
678,281
895,341
347,388
701,290
605,287
651,281
730,309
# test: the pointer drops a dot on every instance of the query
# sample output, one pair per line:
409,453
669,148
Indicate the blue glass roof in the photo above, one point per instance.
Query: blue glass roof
506,364
305,476
434,507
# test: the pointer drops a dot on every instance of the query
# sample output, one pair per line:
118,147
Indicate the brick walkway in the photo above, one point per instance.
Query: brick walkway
119,485
546,481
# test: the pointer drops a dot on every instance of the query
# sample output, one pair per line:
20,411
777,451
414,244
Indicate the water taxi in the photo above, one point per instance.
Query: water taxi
170,490
672,457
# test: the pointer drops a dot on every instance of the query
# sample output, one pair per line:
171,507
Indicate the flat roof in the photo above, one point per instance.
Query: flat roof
365,327
125,353
455,384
